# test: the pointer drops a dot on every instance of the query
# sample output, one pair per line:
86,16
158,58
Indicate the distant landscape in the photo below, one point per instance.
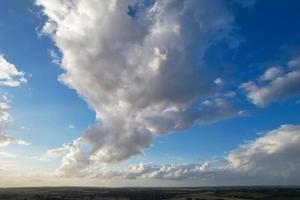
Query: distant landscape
205,193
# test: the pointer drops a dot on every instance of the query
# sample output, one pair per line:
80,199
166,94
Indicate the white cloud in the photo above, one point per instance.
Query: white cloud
56,152
7,139
148,171
272,73
219,81
273,158
275,84
39,158
230,94
136,72
55,57
249,164
71,126
294,63
50,155
5,118
9,75
4,115
5,100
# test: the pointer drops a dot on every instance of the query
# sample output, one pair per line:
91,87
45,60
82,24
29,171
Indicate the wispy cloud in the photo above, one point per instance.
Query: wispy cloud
7,140
71,126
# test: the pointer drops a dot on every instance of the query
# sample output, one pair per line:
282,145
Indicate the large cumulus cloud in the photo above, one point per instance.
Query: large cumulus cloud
138,65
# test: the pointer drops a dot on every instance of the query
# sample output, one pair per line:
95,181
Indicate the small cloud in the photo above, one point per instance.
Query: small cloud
218,81
275,84
24,128
6,140
71,126
56,59
272,73
57,152
243,112
50,154
9,75
230,94
39,158
22,142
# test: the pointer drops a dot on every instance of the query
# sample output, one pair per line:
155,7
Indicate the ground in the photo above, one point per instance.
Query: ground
204,193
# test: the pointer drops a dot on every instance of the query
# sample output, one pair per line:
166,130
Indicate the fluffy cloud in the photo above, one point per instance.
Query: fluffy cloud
9,75
169,172
277,150
138,65
250,163
275,84
272,73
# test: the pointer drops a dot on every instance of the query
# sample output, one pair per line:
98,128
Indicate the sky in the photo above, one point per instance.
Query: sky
149,93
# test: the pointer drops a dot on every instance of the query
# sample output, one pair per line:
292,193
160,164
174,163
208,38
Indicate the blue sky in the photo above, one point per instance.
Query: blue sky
63,105
51,113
